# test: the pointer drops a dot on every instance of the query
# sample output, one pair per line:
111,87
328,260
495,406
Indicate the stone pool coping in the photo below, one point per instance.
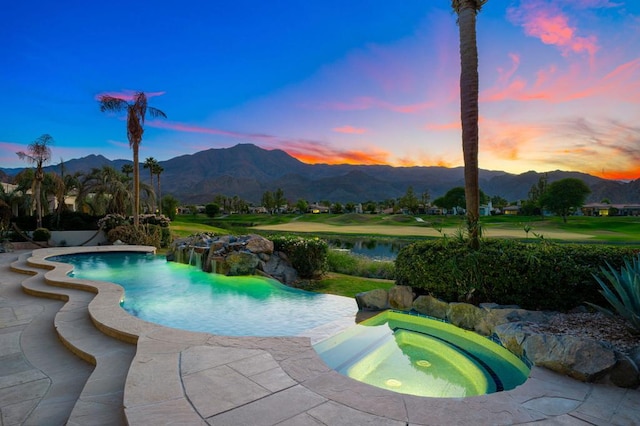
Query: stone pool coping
182,377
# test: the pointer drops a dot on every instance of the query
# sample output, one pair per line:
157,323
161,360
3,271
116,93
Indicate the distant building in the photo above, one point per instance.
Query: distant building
511,210
603,209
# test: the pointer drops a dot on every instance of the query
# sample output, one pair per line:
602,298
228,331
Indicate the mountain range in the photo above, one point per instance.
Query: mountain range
247,171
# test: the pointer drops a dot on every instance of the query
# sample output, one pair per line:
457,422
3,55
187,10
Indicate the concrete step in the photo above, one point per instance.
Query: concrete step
101,399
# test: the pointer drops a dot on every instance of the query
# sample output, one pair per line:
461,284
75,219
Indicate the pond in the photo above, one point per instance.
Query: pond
378,249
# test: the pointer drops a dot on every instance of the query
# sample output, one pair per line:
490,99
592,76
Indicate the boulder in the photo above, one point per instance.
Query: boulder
429,305
464,315
582,359
279,268
511,336
258,244
401,297
241,263
498,316
373,300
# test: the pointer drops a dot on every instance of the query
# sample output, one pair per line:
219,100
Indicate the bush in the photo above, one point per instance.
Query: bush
531,275
70,221
307,256
112,221
41,234
344,262
146,235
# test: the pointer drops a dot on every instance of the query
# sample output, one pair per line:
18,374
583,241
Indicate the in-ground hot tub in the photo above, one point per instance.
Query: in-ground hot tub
421,356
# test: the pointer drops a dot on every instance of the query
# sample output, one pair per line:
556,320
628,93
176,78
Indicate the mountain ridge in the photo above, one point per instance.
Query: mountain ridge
248,171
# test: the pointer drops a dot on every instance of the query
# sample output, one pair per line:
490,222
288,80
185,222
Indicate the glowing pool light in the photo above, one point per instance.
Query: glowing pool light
421,356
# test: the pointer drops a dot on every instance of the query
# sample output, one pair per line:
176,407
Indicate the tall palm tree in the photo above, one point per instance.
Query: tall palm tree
38,153
136,109
157,170
127,169
150,163
467,11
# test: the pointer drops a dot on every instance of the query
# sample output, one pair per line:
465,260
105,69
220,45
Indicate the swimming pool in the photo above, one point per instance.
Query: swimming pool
181,296
421,356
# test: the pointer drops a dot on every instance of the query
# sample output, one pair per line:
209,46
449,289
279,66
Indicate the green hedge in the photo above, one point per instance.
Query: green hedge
538,275
307,255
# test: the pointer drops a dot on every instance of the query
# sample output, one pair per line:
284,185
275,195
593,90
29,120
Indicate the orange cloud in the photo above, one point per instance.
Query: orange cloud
507,140
551,26
313,152
350,130
127,95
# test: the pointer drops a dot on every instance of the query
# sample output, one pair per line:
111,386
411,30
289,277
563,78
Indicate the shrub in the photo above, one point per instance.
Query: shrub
624,294
70,221
112,221
147,235
344,262
41,234
307,255
533,275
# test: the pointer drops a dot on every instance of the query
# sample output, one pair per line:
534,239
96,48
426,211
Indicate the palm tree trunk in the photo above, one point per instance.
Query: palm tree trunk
469,115
136,184
159,196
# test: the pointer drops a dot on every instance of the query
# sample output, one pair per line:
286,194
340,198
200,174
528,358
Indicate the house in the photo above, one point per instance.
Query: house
603,209
511,210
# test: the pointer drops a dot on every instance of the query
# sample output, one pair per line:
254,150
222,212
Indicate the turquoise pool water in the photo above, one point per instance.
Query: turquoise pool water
421,356
181,296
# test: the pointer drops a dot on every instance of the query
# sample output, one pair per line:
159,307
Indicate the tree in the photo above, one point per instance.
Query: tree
467,11
150,163
137,110
302,205
157,170
211,209
565,195
127,169
38,153
337,208
170,206
499,202
278,199
268,201
409,201
454,198
534,203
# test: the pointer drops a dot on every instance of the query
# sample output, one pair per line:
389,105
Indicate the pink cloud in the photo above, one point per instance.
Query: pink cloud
350,130
546,22
127,95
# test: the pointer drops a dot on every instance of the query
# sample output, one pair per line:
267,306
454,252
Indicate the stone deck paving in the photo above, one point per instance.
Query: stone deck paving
146,374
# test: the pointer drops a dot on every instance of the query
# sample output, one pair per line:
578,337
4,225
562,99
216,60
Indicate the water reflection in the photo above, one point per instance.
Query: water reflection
370,247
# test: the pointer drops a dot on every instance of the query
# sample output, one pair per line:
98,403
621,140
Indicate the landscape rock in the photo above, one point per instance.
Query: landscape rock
582,359
231,255
373,300
401,297
258,244
464,315
498,316
278,267
241,263
429,305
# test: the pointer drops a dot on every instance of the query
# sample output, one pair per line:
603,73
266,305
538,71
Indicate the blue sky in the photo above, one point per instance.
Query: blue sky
362,82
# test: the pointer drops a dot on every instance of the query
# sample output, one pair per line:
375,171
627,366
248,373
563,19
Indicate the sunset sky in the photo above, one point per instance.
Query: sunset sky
357,81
